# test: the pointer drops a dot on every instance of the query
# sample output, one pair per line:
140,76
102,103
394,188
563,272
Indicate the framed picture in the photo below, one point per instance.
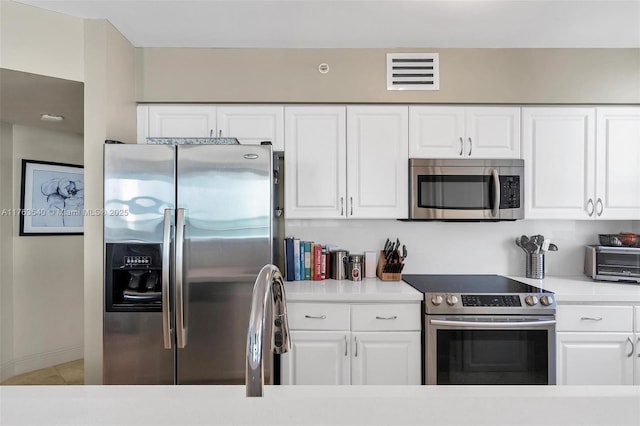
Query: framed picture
51,198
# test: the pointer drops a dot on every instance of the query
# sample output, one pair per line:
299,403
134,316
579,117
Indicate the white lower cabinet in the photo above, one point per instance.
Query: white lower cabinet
596,345
376,344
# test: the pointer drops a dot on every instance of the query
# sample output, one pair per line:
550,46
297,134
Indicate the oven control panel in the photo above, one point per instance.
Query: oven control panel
491,300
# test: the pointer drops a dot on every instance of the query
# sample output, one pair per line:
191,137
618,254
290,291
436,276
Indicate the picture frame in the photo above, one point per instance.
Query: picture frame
51,198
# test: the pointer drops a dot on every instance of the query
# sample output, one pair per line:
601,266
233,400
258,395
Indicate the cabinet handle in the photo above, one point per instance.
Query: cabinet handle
461,146
387,318
356,340
211,133
220,133
351,201
341,206
591,319
590,211
638,343
630,354
345,345
599,203
470,147
315,317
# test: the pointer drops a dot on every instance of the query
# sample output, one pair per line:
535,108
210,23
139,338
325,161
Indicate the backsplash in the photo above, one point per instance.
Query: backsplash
464,248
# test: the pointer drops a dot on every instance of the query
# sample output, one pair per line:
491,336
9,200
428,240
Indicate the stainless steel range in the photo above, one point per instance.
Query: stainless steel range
486,329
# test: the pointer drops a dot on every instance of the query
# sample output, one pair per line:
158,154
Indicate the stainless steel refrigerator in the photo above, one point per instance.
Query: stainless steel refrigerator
187,228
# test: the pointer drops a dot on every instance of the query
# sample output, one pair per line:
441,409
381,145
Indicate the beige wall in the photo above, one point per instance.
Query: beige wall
109,114
42,275
6,252
41,42
522,76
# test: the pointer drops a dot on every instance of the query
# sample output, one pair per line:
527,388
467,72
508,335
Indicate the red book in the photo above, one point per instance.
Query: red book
317,262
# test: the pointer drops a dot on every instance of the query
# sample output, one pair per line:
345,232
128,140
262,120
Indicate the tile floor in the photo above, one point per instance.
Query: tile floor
69,373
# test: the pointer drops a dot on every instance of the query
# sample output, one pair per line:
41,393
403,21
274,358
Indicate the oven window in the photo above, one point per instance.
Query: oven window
456,192
492,357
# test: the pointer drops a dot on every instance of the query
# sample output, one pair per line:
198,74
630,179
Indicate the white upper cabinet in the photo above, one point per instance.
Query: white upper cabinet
176,121
346,162
617,163
558,148
315,162
464,132
582,163
377,156
250,124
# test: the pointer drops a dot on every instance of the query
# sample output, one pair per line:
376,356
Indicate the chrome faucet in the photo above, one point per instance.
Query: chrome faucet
268,285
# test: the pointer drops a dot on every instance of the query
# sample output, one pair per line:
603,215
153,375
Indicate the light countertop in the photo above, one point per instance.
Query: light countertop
368,290
320,405
581,289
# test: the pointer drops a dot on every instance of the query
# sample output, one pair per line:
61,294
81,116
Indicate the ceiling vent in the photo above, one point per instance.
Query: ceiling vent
413,71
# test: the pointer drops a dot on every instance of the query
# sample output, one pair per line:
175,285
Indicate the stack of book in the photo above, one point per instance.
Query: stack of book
305,260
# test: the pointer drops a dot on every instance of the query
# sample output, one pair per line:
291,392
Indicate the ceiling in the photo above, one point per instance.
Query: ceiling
365,23
24,97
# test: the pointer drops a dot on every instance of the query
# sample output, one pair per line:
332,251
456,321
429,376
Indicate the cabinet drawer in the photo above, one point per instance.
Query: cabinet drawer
318,316
385,317
594,318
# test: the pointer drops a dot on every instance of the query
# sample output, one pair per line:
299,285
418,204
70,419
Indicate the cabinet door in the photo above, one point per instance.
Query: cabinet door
197,121
436,132
317,358
385,358
617,163
377,154
315,164
558,147
492,132
595,358
252,124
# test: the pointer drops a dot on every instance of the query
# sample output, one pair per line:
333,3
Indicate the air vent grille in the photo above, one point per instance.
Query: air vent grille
413,71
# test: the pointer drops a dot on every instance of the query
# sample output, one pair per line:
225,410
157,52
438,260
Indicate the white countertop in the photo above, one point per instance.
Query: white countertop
368,290
580,289
320,405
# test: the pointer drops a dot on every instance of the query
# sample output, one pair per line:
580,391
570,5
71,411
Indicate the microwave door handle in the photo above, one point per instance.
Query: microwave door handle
496,191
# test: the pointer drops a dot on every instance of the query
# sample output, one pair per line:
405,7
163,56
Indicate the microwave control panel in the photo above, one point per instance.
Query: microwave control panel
509,192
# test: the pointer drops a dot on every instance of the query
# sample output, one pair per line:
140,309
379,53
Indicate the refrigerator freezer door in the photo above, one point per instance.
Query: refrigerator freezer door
226,194
138,187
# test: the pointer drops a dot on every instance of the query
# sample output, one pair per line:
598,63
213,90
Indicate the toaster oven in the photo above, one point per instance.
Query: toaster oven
612,263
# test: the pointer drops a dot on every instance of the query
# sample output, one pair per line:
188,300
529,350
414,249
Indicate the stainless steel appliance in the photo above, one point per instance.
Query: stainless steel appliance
455,189
187,229
612,263
486,329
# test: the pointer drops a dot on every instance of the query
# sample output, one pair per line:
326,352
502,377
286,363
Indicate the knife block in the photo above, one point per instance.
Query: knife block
387,276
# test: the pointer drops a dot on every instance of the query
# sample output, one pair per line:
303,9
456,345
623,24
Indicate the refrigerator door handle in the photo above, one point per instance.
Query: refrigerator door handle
166,259
180,323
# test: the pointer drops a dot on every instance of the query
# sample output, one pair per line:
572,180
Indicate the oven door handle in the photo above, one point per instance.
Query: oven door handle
477,324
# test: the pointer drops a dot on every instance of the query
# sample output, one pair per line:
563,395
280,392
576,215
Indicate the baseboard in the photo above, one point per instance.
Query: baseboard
46,359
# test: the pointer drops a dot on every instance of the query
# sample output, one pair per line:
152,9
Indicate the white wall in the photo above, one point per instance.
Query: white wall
462,248
41,42
44,288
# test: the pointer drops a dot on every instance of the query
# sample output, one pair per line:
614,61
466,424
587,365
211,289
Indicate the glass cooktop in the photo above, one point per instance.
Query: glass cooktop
474,284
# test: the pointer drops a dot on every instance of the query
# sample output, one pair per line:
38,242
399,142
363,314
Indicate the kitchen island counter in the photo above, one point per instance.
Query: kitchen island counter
320,405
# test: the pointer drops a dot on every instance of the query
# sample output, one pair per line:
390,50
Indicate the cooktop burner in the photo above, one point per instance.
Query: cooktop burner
469,284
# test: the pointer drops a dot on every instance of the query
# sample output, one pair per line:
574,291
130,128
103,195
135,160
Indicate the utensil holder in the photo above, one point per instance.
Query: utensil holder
535,266
387,276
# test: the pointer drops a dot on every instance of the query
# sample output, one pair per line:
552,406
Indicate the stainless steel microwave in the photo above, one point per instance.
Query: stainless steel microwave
470,189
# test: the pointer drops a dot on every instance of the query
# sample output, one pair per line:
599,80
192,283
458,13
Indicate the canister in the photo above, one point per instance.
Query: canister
338,260
354,267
